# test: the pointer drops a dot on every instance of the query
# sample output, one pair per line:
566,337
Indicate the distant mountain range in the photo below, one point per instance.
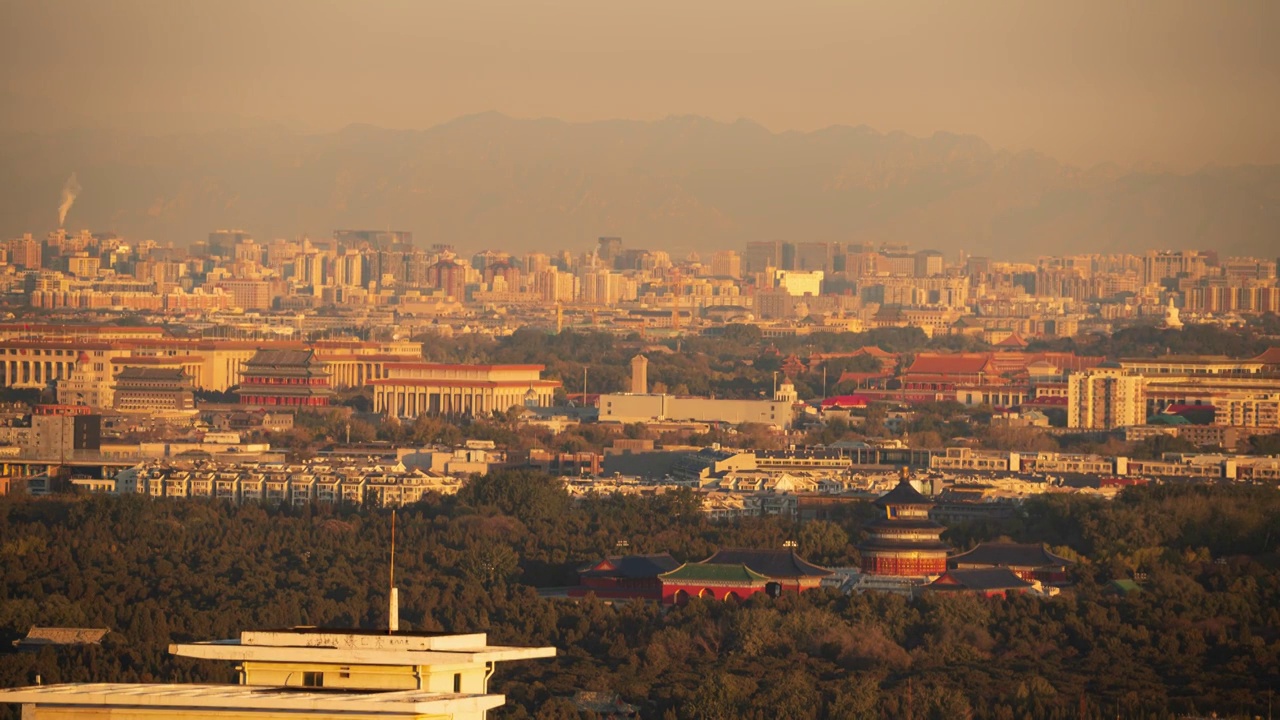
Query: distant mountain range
681,184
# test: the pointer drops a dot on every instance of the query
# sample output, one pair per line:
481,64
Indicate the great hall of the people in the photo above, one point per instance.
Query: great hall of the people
34,356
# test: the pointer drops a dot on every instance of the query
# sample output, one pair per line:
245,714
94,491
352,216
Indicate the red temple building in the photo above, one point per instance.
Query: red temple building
946,371
738,574
290,378
989,582
905,542
627,576
1030,561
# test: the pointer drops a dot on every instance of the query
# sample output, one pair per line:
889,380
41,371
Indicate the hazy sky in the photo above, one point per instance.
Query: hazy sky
1178,83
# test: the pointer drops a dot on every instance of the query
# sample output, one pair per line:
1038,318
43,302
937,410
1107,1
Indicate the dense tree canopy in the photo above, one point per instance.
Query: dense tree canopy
1203,634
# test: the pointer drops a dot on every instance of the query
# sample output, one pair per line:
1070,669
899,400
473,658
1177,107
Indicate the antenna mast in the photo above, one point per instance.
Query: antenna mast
393,616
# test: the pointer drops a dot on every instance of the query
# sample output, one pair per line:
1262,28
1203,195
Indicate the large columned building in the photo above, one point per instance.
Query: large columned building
33,356
413,389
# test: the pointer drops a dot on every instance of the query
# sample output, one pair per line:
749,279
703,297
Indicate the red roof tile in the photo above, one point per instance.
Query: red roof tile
949,364
846,401
1014,340
1270,357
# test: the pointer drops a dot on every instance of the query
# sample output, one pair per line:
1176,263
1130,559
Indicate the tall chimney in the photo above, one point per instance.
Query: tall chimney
639,375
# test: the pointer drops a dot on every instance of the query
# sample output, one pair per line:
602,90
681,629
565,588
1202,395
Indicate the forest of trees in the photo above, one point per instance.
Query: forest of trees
1203,634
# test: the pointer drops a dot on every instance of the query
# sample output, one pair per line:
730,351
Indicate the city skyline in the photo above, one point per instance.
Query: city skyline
831,358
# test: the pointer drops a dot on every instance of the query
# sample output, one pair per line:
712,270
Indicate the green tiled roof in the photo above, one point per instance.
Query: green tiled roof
1124,587
713,572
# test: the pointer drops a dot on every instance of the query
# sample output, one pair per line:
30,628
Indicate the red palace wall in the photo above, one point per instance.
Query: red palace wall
741,592
289,401
639,589
672,594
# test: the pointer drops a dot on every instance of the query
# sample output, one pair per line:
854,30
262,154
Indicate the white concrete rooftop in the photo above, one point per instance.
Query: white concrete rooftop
248,698
310,645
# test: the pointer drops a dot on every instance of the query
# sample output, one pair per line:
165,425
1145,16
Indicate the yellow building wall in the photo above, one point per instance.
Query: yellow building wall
464,678
30,712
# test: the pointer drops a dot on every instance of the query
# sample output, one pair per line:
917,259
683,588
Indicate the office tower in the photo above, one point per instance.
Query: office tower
811,256
609,248
928,263
396,240
726,263
761,256
222,243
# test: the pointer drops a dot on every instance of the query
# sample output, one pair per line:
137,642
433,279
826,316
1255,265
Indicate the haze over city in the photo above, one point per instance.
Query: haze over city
1177,84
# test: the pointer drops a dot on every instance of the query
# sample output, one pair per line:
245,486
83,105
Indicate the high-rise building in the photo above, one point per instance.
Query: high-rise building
1160,265
555,286
248,294
978,266
608,249
348,269
396,240
814,256
928,263
895,263
308,269
222,243
1105,398
726,263
249,251
280,252
25,252
761,256
536,262
449,276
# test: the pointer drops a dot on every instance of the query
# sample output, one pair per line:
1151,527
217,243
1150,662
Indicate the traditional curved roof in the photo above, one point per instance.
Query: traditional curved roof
902,494
1013,340
301,359
771,563
985,579
154,374
949,363
632,566
713,573
1016,555
1271,356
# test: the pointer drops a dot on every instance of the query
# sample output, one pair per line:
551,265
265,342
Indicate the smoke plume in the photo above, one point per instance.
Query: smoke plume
70,190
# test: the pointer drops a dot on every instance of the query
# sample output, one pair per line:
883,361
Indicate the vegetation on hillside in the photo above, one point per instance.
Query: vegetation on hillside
1202,635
